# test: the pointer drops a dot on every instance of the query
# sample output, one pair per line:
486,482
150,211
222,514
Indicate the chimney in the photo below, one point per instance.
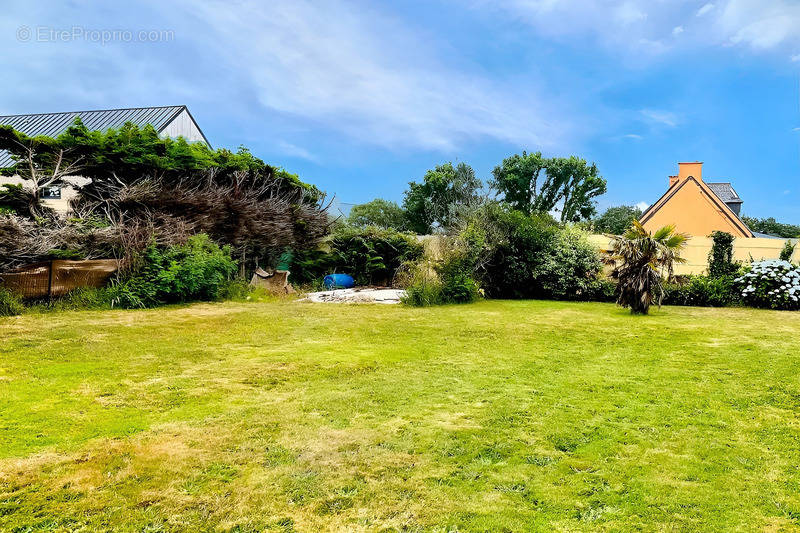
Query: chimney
687,170
672,181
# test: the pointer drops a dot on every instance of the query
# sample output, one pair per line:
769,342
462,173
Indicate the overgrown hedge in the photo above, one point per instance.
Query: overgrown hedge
505,253
198,270
531,256
371,255
701,291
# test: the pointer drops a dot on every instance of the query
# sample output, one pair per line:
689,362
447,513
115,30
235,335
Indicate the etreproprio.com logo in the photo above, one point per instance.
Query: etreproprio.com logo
49,34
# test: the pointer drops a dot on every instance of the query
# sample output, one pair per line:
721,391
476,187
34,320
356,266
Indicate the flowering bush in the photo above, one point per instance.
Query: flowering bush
773,284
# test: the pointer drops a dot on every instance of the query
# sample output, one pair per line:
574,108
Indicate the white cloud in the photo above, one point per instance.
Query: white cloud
656,47
352,68
629,13
632,136
642,205
705,9
796,129
293,150
665,118
759,24
795,58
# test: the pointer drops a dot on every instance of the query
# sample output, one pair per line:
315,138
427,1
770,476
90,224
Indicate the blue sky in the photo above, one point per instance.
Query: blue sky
361,97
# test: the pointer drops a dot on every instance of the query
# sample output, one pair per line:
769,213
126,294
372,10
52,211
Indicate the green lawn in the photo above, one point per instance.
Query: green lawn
488,417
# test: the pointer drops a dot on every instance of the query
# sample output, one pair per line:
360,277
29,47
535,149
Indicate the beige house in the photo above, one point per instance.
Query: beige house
697,207
168,121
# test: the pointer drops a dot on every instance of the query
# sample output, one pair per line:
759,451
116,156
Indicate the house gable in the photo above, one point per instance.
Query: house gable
183,125
693,208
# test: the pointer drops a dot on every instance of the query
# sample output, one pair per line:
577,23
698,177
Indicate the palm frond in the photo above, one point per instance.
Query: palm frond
641,260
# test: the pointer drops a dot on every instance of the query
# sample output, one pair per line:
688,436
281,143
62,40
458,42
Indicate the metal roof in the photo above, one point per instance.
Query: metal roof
768,236
54,124
725,192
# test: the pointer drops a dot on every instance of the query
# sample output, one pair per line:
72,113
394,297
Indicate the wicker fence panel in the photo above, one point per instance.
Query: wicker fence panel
58,277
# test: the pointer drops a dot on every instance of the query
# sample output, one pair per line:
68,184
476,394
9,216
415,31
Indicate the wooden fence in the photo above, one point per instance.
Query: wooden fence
58,277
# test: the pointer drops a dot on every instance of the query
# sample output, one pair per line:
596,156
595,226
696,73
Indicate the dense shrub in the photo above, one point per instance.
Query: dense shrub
371,255
444,276
602,290
197,270
509,254
570,270
530,256
423,292
702,291
458,286
773,284
10,303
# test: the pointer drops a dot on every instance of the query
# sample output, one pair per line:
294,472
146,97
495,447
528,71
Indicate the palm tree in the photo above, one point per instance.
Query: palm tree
641,260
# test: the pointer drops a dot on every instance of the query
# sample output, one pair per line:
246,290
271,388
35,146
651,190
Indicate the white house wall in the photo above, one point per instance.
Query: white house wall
68,191
183,126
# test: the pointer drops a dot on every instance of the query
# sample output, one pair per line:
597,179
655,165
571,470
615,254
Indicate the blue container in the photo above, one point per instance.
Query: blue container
338,281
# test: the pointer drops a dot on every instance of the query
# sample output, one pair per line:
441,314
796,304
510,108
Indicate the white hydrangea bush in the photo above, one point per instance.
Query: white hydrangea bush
773,284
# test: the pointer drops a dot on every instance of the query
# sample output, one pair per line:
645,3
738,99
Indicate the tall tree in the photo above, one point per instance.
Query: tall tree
442,196
532,183
577,184
378,212
616,220
517,179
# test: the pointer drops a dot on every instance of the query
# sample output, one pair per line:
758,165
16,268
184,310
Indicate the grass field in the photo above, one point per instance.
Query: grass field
488,417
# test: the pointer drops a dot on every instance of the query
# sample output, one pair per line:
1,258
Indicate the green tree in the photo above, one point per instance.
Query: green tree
641,260
772,227
616,220
519,181
579,184
720,257
439,201
379,212
532,183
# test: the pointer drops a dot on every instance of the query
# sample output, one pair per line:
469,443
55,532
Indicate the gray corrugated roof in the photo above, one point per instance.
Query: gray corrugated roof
53,124
725,192
767,236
